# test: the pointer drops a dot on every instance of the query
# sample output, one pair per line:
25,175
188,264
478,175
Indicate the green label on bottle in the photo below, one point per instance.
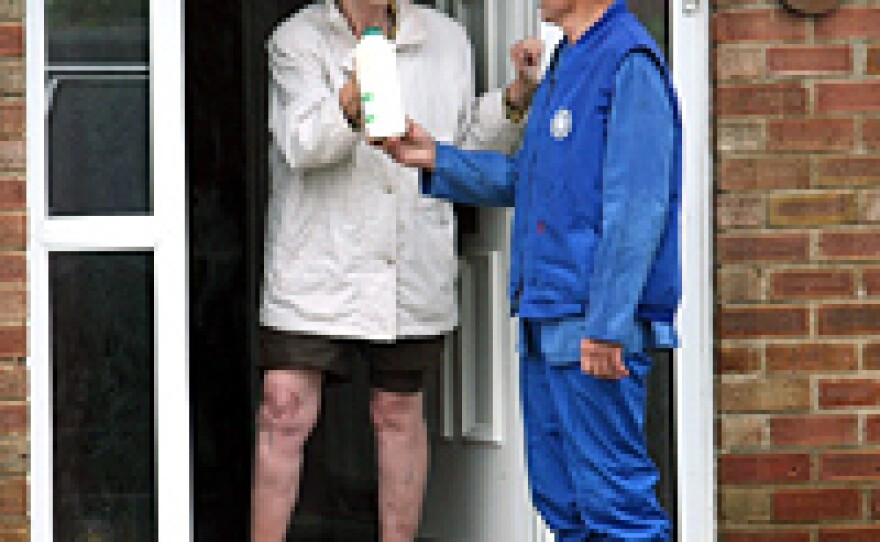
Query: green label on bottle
369,119
367,97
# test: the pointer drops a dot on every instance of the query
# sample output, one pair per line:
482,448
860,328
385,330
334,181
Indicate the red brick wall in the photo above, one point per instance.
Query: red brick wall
13,375
797,105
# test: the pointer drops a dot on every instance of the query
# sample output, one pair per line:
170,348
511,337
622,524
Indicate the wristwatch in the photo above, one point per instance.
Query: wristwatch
512,112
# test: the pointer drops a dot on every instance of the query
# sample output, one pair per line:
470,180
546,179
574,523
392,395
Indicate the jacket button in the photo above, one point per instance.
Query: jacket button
389,190
390,261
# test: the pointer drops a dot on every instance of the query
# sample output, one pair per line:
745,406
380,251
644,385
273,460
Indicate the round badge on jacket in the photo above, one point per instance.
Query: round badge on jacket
560,126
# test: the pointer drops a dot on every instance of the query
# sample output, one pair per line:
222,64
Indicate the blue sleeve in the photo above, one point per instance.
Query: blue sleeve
635,197
483,178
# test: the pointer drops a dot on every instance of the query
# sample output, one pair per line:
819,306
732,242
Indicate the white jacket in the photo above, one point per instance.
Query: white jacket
353,249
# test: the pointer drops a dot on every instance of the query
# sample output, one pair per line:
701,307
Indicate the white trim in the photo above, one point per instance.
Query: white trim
693,374
40,498
168,140
472,429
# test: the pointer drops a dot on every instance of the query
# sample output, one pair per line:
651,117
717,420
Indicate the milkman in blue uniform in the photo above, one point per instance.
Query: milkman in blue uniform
595,268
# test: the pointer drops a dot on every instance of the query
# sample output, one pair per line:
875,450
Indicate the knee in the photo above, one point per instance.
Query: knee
396,412
288,413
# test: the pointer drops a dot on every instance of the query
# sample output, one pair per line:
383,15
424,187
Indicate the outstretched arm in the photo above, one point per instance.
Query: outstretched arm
484,178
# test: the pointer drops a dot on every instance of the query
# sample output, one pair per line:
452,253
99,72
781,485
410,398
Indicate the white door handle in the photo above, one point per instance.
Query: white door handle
691,6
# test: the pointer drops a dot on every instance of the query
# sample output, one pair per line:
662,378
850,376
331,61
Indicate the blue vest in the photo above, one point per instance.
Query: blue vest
558,219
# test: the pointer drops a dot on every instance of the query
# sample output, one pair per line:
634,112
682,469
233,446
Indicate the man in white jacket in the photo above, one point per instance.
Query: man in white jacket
357,262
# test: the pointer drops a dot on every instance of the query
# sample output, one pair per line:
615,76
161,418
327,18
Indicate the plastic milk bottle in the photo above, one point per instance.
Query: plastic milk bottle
379,82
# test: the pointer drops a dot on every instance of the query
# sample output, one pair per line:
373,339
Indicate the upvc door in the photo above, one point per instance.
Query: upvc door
107,268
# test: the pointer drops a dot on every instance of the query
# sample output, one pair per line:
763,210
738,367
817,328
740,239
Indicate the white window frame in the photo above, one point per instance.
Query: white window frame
163,233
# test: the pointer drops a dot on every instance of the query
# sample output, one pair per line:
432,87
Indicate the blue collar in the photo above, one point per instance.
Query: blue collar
617,8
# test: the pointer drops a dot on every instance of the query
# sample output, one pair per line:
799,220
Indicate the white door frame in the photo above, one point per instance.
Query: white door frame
694,393
163,233
693,384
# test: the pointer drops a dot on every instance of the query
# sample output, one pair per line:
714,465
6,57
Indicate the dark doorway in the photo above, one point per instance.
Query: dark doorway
226,82
226,92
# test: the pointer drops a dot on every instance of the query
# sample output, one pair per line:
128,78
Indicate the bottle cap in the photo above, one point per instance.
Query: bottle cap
372,31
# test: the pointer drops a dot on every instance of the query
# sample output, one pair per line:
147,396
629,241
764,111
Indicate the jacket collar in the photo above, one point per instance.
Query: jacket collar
613,11
411,29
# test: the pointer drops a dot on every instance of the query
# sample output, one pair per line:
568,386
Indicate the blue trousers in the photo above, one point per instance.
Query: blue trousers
589,472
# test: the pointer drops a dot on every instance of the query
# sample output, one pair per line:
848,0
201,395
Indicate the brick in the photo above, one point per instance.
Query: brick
758,536
853,22
741,431
763,468
850,465
758,25
874,60
738,284
849,96
12,232
810,134
816,504
768,173
11,78
743,505
770,394
14,455
871,356
13,496
811,283
13,341
13,418
13,305
849,319
847,393
12,267
11,9
12,155
852,244
737,359
814,430
11,39
869,207
849,534
762,321
739,63
763,247
739,210
740,136
11,118
849,171
761,99
872,428
13,382
875,504
871,133
822,357
12,193
809,59
812,209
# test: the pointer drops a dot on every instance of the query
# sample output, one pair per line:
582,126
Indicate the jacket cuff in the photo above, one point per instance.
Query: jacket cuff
433,182
616,330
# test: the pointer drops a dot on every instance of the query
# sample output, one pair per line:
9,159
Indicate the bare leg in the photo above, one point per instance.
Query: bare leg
402,442
288,413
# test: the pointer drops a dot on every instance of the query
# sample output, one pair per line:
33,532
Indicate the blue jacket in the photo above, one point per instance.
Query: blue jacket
556,183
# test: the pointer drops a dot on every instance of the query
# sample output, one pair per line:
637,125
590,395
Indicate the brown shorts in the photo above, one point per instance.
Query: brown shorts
394,366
